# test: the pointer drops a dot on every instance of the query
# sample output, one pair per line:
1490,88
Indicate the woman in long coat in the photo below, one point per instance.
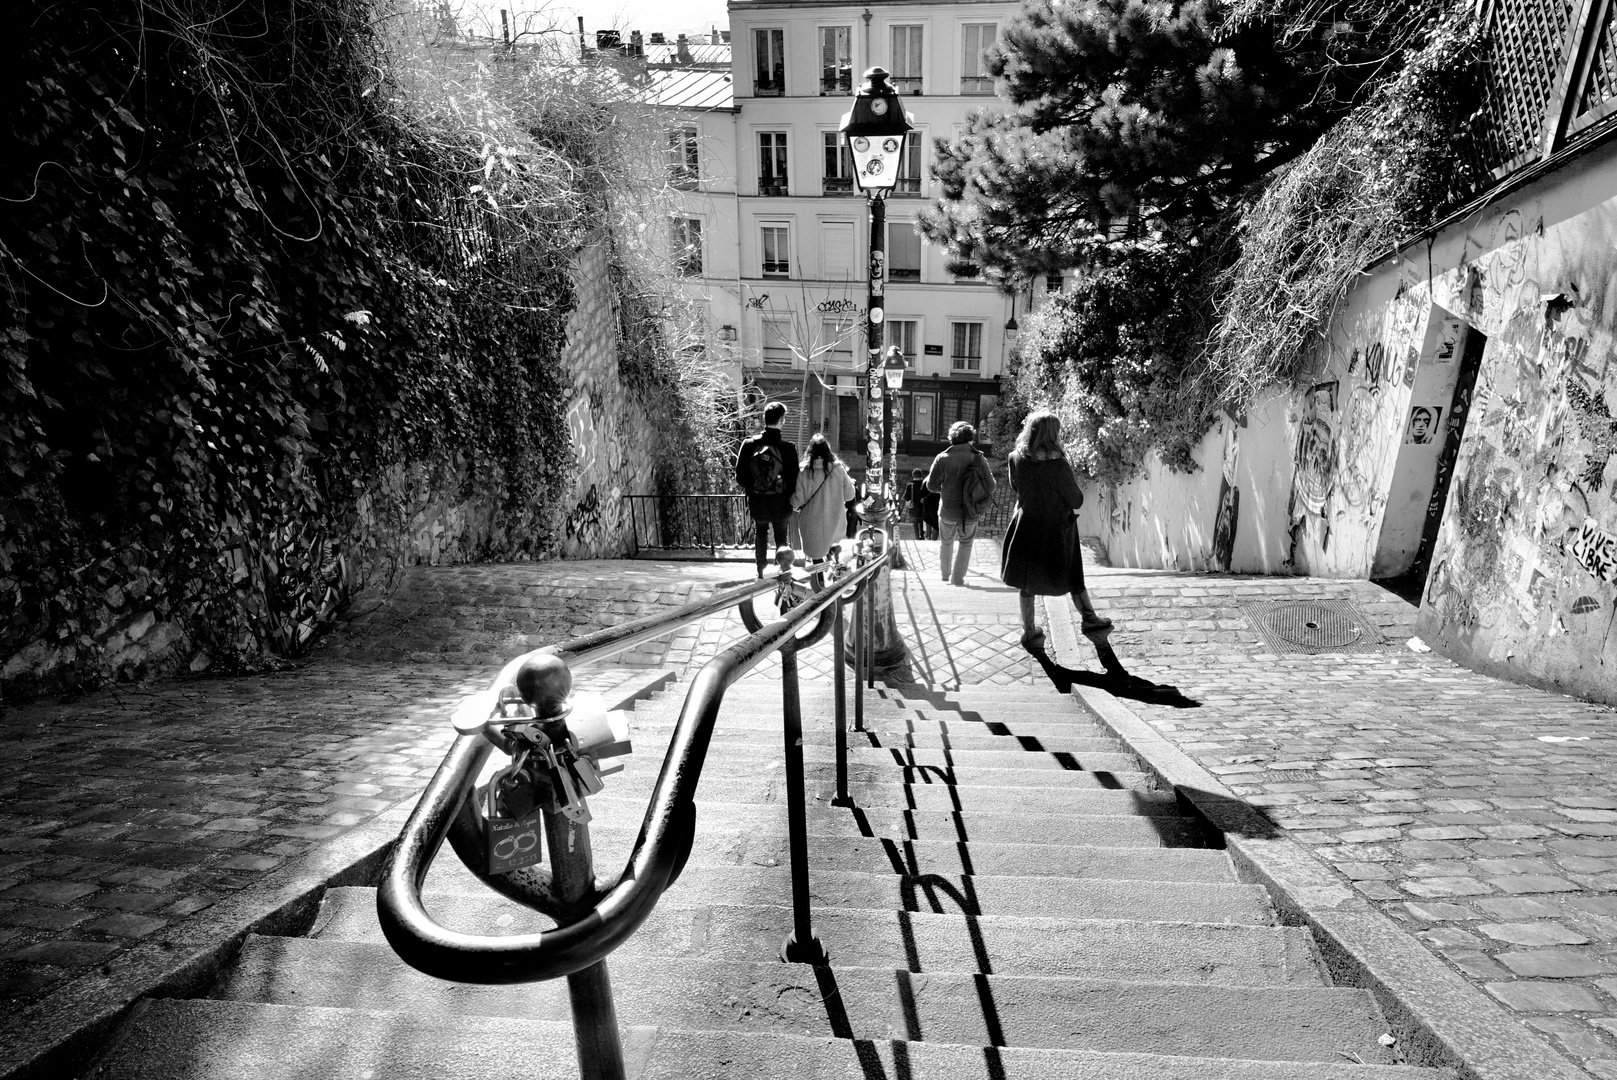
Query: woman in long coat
1040,555
823,490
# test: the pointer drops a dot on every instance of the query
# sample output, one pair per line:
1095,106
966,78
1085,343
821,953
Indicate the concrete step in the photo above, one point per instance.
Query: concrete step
924,735
453,892
817,712
1279,1023
876,855
989,790
229,1040
1192,953
1044,817
1109,764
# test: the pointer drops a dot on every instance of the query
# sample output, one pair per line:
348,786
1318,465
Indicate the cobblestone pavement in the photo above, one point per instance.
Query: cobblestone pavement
1479,814
125,812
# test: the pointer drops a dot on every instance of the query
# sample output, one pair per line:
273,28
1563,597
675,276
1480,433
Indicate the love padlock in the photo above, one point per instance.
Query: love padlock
514,824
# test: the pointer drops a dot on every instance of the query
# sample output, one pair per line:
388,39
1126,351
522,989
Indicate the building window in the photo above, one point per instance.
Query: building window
688,246
924,408
836,60
836,341
906,334
958,409
906,59
777,350
838,167
909,166
684,160
903,251
968,347
771,163
1052,283
975,39
776,246
836,251
769,63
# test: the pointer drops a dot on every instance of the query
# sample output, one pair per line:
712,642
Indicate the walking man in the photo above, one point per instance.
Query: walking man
961,477
766,469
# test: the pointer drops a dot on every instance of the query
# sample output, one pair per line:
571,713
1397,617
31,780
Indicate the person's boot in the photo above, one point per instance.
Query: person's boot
1032,635
1091,621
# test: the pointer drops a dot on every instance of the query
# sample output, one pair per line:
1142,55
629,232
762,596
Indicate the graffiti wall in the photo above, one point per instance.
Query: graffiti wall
1460,426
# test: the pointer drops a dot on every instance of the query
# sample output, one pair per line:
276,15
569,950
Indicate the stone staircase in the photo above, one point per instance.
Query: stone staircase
1009,899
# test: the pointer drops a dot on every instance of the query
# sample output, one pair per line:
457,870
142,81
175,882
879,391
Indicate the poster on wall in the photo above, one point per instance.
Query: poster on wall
1596,550
1448,341
1423,424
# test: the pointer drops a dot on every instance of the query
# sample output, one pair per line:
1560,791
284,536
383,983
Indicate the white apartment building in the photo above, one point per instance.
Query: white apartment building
781,235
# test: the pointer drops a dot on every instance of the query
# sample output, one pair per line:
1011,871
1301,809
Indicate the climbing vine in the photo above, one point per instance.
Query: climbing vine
266,270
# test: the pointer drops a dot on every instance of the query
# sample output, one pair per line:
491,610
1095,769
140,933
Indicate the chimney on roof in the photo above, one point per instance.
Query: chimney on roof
657,38
682,51
724,36
637,45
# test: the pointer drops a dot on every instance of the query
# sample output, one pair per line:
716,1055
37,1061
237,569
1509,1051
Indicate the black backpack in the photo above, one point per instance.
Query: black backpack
768,469
977,488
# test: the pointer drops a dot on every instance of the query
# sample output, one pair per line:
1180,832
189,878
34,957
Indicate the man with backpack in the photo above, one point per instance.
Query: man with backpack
766,469
961,476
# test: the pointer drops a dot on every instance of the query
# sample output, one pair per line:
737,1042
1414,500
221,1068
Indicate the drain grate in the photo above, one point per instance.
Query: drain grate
1312,626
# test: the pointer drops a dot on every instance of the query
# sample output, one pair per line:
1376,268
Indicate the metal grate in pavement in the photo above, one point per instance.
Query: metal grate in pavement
1312,626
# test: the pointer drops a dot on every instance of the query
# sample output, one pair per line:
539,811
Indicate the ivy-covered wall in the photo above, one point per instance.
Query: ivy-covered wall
280,319
1462,428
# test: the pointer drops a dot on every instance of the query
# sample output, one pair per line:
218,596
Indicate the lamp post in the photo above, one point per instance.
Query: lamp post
892,373
874,131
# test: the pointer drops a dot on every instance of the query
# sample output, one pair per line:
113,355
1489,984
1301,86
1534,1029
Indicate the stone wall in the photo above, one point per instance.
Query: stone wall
418,514
1392,462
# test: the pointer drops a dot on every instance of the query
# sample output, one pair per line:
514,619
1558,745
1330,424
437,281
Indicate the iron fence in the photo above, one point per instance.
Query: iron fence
713,523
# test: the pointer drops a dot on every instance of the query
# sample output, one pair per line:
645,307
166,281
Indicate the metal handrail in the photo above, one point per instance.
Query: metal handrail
608,914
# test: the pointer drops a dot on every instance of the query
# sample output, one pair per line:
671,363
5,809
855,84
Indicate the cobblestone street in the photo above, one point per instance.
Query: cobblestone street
1477,813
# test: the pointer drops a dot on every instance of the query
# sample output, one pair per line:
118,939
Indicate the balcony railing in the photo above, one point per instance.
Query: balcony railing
904,273
836,84
976,84
837,185
768,88
908,185
906,84
772,185
782,267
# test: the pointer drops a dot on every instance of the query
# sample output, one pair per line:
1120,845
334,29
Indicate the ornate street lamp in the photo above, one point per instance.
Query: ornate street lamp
875,130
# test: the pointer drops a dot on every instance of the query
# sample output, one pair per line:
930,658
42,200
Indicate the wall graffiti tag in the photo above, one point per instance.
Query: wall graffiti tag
581,429
1315,457
1595,550
839,307
586,515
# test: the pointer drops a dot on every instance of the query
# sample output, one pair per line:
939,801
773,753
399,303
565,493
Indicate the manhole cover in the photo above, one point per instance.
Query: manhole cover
1312,626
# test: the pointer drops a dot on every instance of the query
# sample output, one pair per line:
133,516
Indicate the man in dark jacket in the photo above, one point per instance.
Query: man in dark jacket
766,469
957,522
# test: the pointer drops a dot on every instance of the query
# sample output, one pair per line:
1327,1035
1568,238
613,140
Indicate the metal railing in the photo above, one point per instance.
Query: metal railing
693,522
595,917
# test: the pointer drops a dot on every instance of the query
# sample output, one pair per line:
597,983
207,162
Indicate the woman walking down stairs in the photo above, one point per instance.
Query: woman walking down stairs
1007,898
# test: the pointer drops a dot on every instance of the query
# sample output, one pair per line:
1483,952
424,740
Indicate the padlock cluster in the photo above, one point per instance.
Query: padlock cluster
557,762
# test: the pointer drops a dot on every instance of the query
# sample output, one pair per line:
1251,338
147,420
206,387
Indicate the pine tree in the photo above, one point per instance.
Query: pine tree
1131,119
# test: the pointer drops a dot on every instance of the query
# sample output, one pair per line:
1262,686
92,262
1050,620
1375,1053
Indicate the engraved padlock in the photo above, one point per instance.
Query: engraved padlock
514,824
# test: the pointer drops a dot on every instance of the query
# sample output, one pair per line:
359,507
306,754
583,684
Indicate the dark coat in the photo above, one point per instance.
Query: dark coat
1040,553
768,507
949,471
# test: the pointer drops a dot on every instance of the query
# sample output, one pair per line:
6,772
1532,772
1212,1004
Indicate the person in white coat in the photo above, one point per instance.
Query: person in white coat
823,490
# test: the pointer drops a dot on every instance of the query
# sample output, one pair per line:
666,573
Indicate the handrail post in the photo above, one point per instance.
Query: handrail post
802,947
840,694
544,685
859,661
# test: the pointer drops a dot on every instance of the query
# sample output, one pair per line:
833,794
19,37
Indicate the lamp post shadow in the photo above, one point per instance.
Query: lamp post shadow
1114,678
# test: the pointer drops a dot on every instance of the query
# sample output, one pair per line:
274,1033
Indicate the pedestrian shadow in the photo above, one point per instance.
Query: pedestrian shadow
1115,680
